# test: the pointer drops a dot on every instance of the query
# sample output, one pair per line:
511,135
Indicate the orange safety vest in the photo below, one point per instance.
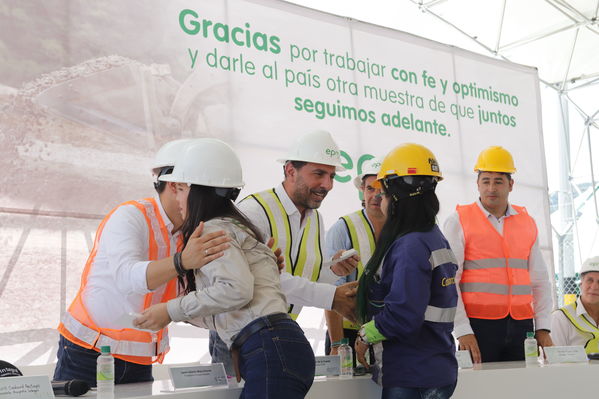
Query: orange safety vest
496,282
127,344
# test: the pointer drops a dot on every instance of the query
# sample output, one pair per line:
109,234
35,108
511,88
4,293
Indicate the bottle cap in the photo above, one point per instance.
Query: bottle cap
344,341
530,335
105,349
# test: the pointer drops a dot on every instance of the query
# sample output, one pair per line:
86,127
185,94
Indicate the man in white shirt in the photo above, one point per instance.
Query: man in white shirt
502,280
578,322
309,170
130,268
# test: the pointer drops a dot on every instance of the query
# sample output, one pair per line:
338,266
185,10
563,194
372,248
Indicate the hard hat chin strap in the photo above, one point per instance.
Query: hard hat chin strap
227,193
163,171
401,187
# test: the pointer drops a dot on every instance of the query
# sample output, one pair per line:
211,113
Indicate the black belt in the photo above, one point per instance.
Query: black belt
257,325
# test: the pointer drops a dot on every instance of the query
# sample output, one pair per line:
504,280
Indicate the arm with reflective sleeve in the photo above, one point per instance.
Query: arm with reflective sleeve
407,266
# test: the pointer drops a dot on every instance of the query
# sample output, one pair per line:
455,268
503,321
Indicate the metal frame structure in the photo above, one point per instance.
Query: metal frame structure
570,81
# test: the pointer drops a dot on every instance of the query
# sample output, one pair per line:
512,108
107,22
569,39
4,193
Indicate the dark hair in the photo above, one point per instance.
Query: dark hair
296,165
204,204
405,214
159,186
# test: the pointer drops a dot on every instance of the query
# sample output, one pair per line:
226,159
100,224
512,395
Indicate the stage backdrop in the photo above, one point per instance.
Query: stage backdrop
89,91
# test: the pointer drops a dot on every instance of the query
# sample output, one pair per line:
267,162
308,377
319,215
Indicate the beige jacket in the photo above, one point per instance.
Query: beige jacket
234,289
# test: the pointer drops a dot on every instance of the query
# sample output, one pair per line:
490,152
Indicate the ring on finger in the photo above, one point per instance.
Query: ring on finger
206,252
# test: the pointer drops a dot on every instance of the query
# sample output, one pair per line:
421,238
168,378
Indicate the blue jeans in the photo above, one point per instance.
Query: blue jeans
76,362
277,362
418,393
220,353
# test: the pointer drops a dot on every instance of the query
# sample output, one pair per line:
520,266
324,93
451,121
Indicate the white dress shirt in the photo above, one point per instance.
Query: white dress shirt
299,290
563,332
117,281
539,276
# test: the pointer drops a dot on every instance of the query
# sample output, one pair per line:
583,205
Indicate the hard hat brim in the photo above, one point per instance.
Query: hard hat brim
360,178
495,170
337,166
179,179
358,182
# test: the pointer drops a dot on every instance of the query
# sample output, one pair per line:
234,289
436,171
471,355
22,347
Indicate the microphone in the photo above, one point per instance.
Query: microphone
71,387
9,370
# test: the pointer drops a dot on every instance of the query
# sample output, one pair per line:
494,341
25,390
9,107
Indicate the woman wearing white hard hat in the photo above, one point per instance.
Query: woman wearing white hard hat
238,295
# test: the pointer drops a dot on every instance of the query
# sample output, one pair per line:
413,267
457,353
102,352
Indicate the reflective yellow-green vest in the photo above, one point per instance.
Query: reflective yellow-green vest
308,260
584,327
361,235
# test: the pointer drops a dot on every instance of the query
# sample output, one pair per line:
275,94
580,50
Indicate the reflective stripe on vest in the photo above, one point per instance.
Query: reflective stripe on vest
308,260
361,235
585,327
126,348
495,282
127,344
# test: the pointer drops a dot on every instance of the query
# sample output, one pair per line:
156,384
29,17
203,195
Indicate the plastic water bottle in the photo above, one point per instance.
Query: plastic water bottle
346,359
105,374
531,349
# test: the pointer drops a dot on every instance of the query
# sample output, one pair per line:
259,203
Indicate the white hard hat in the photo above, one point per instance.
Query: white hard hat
590,265
317,147
169,153
370,167
208,162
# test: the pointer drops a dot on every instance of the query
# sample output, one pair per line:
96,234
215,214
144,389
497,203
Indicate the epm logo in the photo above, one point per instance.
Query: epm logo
331,152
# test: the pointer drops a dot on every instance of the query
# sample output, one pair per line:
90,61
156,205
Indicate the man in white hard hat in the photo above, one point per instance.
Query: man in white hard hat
358,230
578,322
288,213
502,279
130,268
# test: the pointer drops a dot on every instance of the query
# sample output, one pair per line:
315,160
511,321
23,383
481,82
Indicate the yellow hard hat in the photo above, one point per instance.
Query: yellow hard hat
495,159
410,159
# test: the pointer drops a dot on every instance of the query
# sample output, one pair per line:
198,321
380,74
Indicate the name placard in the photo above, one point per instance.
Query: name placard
33,387
198,376
464,359
327,365
565,354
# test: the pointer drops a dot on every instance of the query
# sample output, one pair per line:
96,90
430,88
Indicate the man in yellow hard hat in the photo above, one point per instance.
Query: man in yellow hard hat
578,322
502,279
